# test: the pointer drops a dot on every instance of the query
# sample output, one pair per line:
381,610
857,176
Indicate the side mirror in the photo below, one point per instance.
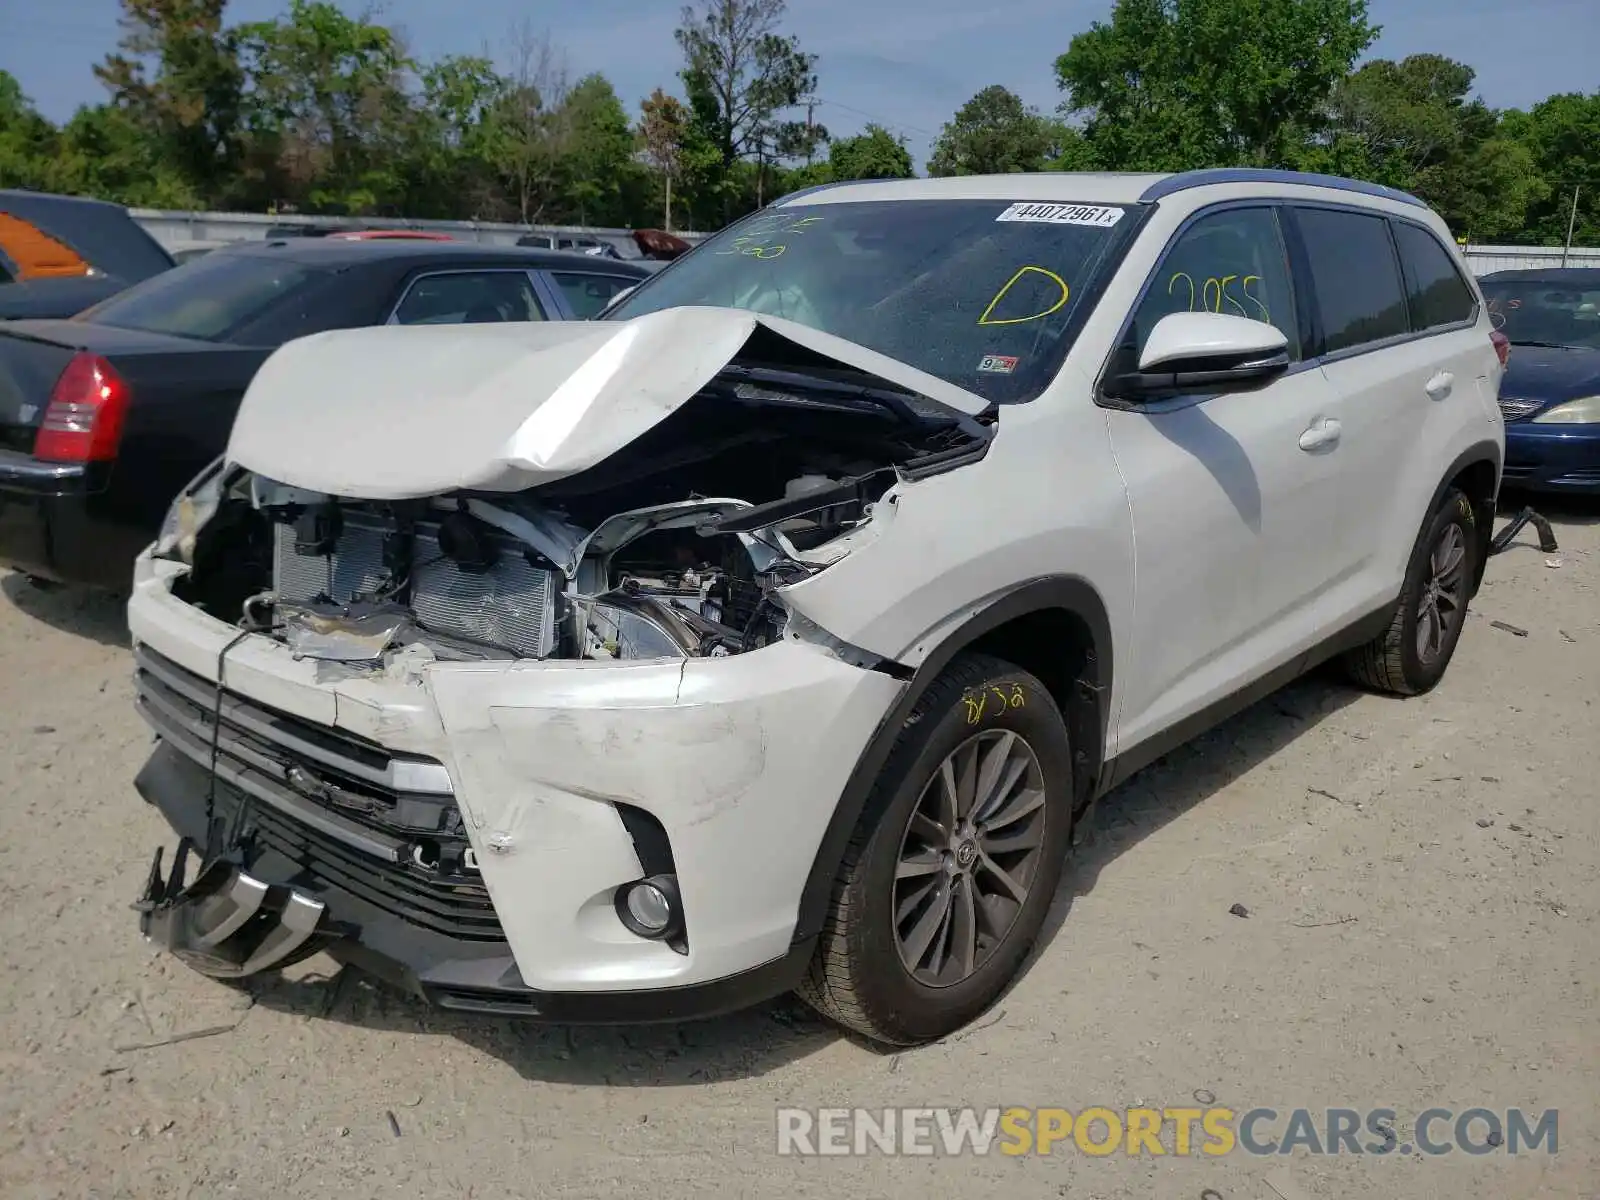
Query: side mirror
1191,352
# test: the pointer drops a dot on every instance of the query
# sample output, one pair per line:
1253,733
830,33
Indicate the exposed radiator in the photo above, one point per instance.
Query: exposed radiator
511,605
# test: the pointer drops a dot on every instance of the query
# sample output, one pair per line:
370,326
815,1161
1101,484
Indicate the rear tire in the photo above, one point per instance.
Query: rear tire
1410,657
953,866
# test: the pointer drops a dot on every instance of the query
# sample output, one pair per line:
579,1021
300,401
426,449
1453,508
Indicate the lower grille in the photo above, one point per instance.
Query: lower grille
511,605
328,802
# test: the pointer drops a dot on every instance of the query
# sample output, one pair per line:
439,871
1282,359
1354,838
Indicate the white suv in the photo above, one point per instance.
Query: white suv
776,630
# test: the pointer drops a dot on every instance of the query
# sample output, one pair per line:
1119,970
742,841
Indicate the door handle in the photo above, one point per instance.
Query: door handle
1439,386
1322,435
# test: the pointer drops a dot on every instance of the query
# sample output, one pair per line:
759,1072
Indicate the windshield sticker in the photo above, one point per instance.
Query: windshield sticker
998,364
761,238
1094,215
1050,297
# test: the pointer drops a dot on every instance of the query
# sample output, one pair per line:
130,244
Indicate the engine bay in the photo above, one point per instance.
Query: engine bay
675,546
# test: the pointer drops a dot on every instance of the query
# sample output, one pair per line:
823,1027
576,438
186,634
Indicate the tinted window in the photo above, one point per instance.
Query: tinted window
469,298
587,295
208,298
980,293
1438,294
1534,312
1230,262
1355,276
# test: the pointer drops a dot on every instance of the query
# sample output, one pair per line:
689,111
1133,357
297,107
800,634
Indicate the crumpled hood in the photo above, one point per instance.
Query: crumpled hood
395,412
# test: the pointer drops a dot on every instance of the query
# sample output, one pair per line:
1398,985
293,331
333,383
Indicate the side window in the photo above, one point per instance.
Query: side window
1355,277
1229,262
469,298
586,295
1438,294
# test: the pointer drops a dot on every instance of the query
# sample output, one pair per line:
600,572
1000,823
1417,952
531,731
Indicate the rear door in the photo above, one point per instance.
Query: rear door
1399,346
1231,499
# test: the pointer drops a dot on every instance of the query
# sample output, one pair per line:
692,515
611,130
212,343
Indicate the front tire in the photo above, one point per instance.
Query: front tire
1410,657
952,868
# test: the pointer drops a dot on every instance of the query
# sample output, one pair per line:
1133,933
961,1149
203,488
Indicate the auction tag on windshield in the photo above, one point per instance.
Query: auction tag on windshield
1094,215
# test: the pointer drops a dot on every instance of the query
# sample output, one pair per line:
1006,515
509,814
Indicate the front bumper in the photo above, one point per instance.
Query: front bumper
273,908
740,761
1552,458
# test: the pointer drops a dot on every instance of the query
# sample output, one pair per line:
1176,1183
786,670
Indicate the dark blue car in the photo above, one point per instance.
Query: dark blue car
1551,391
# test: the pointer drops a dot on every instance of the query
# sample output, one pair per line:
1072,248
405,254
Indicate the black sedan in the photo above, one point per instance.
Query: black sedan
104,417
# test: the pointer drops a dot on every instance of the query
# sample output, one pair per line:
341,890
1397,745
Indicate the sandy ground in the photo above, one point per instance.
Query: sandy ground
1399,952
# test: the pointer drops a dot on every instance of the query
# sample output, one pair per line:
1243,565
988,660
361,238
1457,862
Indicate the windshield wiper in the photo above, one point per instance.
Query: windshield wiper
1545,345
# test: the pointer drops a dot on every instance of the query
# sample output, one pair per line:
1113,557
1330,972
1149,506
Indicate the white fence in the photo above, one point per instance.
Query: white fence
1484,259
179,230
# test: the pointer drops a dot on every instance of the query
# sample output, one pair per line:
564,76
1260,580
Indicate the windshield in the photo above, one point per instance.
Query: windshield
207,298
1537,312
980,293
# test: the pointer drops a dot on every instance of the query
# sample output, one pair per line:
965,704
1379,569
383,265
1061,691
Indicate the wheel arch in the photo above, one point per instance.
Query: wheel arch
1055,627
1476,473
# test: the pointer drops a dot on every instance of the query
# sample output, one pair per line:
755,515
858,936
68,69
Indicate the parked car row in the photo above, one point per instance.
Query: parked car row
105,416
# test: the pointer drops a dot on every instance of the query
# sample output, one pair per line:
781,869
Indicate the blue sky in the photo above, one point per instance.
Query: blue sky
909,64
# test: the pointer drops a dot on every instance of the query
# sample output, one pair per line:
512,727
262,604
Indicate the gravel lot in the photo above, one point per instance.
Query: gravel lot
1399,952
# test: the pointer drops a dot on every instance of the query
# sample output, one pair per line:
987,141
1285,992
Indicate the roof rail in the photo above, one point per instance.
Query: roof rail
1185,180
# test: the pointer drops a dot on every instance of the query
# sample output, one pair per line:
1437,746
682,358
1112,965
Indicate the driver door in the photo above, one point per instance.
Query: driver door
1234,498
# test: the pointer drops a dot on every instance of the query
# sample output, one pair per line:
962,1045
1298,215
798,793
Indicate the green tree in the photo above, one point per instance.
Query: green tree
1415,124
177,77
1562,136
874,154
599,164
28,144
527,128
742,77
1177,84
447,166
328,95
994,133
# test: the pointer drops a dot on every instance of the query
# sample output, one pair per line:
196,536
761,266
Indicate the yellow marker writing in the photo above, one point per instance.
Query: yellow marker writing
988,314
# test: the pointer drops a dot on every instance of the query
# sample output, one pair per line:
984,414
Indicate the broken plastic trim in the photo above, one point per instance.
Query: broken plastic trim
226,923
1547,536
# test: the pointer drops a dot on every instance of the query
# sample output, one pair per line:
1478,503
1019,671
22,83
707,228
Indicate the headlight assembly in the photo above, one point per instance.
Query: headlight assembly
1574,412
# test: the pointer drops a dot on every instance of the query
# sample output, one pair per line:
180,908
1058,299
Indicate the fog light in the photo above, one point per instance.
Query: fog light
651,907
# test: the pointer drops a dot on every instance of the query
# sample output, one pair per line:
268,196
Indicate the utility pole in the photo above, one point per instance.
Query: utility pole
1572,220
811,146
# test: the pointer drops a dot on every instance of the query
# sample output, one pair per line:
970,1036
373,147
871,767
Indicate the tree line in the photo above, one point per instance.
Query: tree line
319,111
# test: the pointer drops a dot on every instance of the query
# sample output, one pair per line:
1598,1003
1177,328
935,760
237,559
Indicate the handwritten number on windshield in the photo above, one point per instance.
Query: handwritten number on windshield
756,241
988,317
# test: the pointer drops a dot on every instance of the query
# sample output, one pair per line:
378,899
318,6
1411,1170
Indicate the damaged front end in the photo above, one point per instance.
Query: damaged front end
677,544
306,587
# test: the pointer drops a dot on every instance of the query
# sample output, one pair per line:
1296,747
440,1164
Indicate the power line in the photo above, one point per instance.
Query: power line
896,126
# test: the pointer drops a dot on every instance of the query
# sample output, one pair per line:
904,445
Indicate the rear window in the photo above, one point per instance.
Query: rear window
207,299
1545,312
1354,276
1438,294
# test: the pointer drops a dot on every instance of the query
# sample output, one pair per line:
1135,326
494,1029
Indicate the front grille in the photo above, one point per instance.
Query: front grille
511,605
1514,408
349,813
